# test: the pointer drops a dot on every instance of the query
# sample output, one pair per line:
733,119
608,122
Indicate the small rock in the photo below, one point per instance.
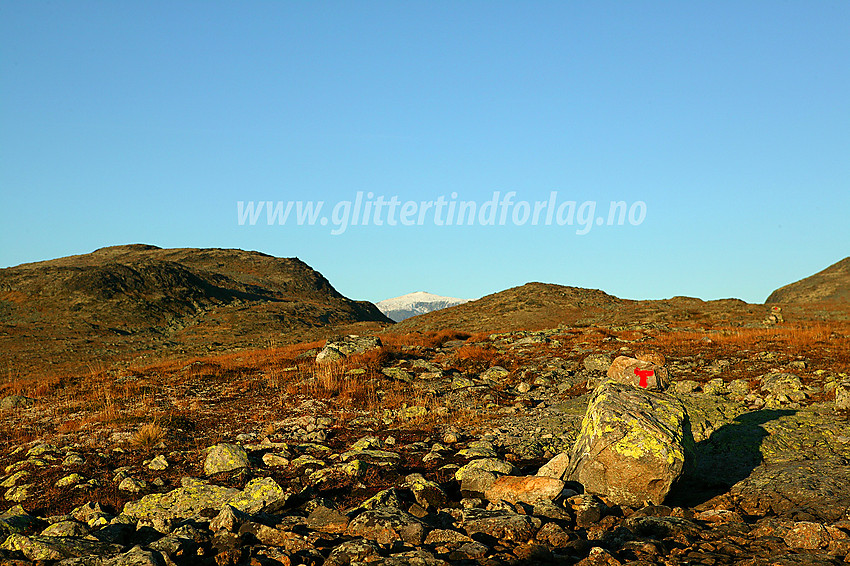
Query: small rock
159,463
638,373
132,485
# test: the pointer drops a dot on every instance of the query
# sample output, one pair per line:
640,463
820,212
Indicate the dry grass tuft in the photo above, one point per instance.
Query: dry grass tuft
148,436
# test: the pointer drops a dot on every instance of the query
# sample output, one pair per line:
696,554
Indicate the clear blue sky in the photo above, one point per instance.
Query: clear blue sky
126,122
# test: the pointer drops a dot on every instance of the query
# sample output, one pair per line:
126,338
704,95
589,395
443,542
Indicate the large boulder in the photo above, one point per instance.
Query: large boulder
632,445
341,347
640,373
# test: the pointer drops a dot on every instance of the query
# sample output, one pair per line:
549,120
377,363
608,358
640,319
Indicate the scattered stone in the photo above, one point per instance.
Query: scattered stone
132,485
714,387
495,374
344,346
597,362
478,475
685,386
842,395
18,493
500,524
66,529
357,551
57,548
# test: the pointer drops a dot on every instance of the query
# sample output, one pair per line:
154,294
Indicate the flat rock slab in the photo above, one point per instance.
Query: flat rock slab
188,502
808,489
57,548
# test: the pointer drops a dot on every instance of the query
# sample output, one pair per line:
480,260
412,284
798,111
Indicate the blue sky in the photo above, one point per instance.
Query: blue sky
126,122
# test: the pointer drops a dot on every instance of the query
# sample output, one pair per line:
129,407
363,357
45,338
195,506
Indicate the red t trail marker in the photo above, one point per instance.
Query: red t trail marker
643,374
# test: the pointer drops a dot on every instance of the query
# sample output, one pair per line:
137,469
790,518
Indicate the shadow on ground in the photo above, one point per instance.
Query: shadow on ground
728,456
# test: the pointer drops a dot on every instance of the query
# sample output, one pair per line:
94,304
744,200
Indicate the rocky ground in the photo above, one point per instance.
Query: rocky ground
440,448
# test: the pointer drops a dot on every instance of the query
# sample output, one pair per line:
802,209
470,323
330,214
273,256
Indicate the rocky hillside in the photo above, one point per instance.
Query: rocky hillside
136,298
832,285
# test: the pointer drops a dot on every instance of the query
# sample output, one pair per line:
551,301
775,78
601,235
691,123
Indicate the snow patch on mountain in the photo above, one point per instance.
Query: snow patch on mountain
412,304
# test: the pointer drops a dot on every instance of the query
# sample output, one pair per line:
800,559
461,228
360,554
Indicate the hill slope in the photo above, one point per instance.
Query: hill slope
536,306
530,306
138,298
832,285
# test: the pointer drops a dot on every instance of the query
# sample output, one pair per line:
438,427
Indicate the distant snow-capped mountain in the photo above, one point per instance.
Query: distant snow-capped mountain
420,302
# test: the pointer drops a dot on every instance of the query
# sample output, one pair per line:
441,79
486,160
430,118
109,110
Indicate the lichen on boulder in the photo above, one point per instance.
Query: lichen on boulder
632,445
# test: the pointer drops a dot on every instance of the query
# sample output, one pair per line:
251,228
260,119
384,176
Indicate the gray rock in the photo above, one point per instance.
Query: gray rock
556,467
503,525
714,387
17,521
632,444
478,475
57,548
354,551
10,402
428,494
326,520
132,485
159,463
597,362
685,386
66,529
638,373
495,374
225,458
527,489
386,525
842,395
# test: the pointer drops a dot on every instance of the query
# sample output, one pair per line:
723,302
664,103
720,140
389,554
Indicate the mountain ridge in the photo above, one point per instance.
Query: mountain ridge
139,297
416,303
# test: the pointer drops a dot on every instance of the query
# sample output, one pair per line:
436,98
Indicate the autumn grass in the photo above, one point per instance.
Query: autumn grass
797,337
